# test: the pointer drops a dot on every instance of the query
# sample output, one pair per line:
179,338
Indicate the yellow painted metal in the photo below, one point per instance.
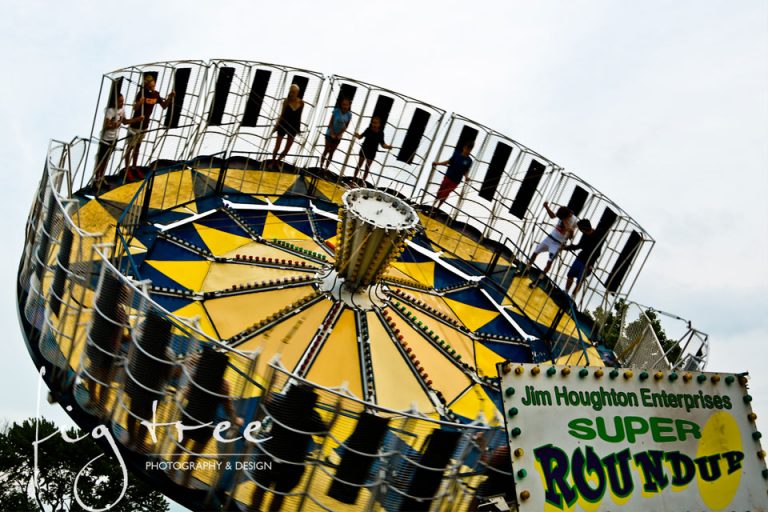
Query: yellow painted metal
259,182
475,401
220,242
487,360
434,301
225,275
289,338
396,385
235,313
471,316
171,189
454,242
275,228
257,249
332,191
339,358
423,273
187,273
196,310
122,194
445,375
462,343
577,358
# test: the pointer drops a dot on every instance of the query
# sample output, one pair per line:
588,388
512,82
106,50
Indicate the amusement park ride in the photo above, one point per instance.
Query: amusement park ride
350,329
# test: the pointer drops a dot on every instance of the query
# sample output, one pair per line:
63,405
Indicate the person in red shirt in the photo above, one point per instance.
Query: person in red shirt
145,103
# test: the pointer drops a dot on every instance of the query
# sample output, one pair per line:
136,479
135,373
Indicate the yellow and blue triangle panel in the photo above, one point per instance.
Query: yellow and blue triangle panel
486,360
258,249
413,256
471,309
423,272
247,181
424,242
188,209
276,228
577,357
326,228
444,278
499,327
189,274
223,222
254,219
164,250
169,216
188,233
204,181
297,220
339,359
171,303
301,201
475,400
205,204
220,242
446,376
196,310
114,209
224,275
517,352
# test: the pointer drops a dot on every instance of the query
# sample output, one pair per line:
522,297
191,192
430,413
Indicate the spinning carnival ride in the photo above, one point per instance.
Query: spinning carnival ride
358,327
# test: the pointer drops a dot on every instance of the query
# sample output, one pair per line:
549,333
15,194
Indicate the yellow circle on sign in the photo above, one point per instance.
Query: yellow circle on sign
719,435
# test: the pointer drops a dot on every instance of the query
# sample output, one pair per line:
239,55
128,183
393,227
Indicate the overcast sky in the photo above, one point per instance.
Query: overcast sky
663,106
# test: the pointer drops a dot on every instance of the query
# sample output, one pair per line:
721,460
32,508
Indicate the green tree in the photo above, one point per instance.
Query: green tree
611,322
59,463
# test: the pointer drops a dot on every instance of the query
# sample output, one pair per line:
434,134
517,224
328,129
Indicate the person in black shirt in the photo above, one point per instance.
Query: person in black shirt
374,137
589,246
143,106
458,167
288,125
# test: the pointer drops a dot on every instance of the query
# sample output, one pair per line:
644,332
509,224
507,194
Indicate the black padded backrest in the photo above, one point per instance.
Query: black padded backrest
468,134
606,220
223,85
152,372
413,136
495,169
426,482
382,109
256,97
355,467
346,91
624,262
180,83
114,92
207,376
527,189
578,200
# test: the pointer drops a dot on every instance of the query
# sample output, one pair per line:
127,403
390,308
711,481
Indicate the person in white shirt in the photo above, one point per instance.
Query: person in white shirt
564,231
113,118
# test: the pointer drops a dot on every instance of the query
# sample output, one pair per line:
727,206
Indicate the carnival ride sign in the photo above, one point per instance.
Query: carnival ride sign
600,439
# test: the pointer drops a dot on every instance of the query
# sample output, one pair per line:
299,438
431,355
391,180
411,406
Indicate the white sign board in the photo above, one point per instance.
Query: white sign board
598,439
